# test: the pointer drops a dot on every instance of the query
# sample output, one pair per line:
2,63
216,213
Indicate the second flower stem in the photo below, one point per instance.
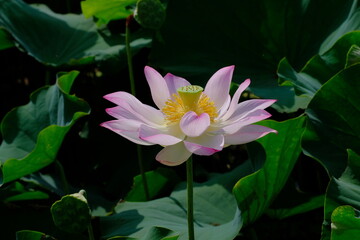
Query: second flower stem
133,92
190,198
65,184
129,55
142,171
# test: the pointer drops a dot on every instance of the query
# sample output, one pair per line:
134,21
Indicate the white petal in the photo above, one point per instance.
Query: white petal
253,117
158,87
193,125
131,104
173,155
236,98
205,145
218,86
248,134
127,112
126,128
174,82
224,108
246,107
157,136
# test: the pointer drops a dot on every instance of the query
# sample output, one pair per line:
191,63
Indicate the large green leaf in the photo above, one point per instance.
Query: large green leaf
321,67
158,181
215,210
33,133
155,233
254,193
333,121
58,39
252,35
105,11
344,190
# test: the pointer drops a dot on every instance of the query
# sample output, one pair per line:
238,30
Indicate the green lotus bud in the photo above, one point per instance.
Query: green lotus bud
71,213
150,13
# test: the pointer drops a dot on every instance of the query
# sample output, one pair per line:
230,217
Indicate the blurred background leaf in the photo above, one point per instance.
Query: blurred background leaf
32,235
59,39
321,68
17,191
32,134
253,35
333,121
5,40
106,11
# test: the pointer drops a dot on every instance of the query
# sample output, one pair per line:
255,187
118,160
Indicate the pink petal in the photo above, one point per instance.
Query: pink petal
174,82
173,155
126,111
248,134
218,86
200,150
158,87
193,125
126,128
157,136
131,104
236,98
253,117
249,106
205,145
224,108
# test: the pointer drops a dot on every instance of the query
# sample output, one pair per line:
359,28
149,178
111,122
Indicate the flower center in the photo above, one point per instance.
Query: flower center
189,98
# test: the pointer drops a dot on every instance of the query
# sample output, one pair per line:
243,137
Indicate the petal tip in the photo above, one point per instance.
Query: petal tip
169,75
105,125
230,68
107,96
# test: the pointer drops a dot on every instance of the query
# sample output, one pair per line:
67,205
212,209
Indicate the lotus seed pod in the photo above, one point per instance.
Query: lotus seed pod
71,213
150,13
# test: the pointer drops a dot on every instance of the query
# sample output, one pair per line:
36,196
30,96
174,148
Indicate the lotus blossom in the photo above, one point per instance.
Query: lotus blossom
189,119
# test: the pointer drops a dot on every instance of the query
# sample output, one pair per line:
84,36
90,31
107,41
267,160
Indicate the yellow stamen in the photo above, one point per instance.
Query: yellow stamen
189,98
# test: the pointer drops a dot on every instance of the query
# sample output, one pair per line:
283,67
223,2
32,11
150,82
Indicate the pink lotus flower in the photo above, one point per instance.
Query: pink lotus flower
190,119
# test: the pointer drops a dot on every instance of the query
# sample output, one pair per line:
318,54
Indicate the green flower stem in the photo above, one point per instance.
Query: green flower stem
142,171
47,77
253,234
68,5
133,92
89,228
190,198
129,55
91,232
64,181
